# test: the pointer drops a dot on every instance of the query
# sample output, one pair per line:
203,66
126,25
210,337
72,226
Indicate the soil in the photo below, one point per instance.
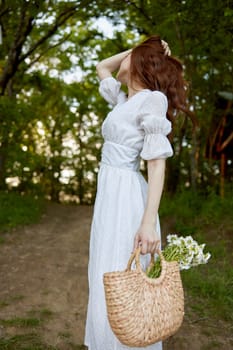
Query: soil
43,274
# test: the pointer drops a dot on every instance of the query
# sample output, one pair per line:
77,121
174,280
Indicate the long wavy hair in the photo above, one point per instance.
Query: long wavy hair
155,70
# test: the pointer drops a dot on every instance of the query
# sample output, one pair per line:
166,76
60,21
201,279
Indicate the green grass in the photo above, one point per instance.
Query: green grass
21,322
212,345
43,313
3,303
209,220
16,209
64,334
9,299
35,318
30,341
192,210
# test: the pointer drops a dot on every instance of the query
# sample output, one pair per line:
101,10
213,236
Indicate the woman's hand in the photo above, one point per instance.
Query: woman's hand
166,48
147,238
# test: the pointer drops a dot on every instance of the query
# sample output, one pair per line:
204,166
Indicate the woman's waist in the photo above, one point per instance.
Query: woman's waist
120,156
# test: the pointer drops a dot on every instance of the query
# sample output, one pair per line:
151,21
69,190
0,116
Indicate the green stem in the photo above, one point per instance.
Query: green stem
170,253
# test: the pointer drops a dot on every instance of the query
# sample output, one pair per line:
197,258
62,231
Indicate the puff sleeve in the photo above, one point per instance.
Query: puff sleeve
110,90
156,127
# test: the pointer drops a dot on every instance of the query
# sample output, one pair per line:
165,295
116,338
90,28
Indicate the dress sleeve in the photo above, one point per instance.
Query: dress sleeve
110,90
156,127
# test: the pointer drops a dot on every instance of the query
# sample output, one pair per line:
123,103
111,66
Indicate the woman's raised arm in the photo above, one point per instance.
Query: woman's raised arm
106,67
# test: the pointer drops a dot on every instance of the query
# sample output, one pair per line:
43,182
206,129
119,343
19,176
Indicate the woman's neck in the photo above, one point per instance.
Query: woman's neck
134,88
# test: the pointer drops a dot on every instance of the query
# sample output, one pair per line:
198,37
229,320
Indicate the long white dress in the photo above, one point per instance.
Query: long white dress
135,128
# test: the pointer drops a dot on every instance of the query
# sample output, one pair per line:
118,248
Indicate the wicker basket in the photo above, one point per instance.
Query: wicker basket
143,310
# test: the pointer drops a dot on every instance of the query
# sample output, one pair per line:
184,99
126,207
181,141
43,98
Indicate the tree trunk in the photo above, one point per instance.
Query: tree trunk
194,163
3,149
222,174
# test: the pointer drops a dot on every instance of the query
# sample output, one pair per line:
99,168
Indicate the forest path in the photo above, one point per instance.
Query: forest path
44,289
43,274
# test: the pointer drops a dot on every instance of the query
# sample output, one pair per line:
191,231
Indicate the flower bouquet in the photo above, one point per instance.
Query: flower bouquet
185,250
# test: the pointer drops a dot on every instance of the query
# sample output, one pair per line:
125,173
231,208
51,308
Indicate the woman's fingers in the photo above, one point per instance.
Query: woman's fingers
136,241
144,247
153,247
148,247
166,47
147,240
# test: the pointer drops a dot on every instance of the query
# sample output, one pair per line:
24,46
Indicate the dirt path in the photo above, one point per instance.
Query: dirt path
44,269
43,275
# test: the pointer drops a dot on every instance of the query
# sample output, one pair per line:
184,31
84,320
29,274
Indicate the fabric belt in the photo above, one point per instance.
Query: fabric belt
120,156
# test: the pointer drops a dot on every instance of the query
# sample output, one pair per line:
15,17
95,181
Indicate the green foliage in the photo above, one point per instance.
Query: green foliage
209,220
16,209
193,210
50,108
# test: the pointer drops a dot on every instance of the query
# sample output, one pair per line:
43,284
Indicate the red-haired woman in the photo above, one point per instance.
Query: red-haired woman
126,207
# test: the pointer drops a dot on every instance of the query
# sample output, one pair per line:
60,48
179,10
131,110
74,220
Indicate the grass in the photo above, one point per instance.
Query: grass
42,314
8,300
29,341
35,318
32,341
209,220
64,334
21,322
212,345
18,210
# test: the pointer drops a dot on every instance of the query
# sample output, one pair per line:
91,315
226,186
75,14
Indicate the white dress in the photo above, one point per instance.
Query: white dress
135,128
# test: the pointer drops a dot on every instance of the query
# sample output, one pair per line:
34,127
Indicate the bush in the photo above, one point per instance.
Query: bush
17,209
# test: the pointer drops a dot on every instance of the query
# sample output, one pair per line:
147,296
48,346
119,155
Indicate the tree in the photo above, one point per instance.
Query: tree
29,30
51,126
198,32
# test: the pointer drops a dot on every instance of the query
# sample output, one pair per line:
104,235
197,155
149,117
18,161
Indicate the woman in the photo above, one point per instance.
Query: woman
125,211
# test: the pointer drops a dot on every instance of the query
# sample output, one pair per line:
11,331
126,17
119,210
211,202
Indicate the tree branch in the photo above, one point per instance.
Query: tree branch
61,19
45,51
3,8
141,10
25,26
22,31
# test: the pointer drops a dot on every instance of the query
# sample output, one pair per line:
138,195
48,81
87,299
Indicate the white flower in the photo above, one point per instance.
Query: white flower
189,251
185,250
172,238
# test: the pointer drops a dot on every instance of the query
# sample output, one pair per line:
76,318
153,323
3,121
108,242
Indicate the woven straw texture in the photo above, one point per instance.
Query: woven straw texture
142,310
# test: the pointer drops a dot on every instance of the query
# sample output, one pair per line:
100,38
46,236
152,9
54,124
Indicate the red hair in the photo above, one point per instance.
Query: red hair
154,70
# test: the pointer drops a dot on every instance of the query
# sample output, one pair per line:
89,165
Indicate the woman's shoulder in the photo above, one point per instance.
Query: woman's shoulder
110,89
109,84
154,99
156,95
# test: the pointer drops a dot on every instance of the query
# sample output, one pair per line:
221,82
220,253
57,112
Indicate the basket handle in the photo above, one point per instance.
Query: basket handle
136,256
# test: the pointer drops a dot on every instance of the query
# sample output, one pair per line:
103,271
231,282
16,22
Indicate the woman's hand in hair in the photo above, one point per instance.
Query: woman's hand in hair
166,48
